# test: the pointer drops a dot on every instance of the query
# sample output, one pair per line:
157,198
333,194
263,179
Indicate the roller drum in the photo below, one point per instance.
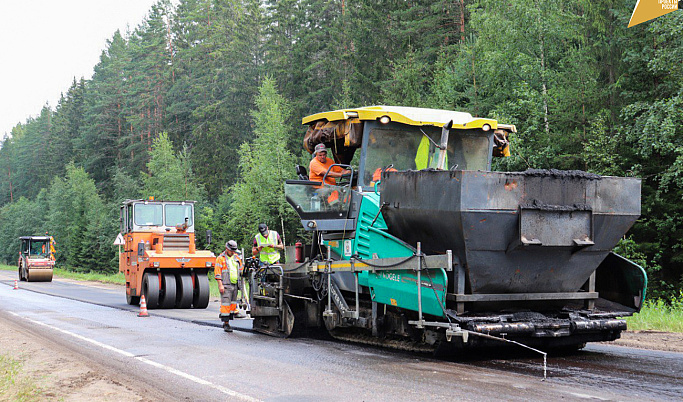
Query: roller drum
40,274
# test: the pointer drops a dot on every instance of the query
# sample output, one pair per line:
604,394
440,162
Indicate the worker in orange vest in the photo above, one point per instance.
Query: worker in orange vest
320,164
227,273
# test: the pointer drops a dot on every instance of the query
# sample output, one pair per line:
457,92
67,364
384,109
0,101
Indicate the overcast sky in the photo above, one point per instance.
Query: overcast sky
44,44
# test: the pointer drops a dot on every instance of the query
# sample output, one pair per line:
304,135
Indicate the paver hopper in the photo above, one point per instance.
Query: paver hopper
530,239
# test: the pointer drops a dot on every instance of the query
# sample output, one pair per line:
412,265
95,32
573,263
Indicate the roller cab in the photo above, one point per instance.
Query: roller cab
159,258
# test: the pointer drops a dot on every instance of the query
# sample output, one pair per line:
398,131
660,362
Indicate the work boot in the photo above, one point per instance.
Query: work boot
227,327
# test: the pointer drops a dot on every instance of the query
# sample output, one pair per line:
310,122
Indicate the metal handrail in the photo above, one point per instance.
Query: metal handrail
342,166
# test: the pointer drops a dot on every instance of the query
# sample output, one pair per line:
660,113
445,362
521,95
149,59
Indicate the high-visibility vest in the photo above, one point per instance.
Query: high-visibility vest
268,254
229,268
424,158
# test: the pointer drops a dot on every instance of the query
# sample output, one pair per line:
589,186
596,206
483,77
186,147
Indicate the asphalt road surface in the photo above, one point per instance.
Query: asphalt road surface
183,354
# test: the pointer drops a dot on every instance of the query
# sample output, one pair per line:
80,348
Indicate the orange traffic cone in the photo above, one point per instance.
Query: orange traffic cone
16,285
143,307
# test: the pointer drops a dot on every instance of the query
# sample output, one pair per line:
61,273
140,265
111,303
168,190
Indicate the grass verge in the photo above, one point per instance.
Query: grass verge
13,386
117,278
659,315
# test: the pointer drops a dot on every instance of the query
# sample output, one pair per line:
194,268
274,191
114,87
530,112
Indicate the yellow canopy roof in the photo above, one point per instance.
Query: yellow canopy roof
413,116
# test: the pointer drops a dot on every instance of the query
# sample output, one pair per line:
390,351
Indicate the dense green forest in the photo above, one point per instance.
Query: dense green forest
203,101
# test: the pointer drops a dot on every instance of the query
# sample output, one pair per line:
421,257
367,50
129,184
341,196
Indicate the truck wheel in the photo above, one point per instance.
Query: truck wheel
133,300
168,291
184,290
201,291
150,289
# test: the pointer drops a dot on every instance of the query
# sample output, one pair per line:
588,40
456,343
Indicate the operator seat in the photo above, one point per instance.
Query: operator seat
301,172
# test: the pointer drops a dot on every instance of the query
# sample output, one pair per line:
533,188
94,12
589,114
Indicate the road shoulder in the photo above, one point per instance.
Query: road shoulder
46,370
652,340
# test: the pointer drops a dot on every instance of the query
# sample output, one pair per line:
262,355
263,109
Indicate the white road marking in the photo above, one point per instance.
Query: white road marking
168,369
586,396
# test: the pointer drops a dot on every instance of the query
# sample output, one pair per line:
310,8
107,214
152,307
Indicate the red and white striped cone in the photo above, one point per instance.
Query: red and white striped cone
143,307
16,285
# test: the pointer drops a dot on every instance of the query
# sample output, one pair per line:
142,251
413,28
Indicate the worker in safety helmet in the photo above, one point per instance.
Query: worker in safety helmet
267,244
227,270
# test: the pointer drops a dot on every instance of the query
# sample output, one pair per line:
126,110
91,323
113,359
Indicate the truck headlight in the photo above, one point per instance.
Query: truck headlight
156,264
207,264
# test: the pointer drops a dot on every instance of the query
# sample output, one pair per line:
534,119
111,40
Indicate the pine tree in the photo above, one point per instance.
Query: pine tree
265,164
170,175
67,121
101,139
77,220
147,78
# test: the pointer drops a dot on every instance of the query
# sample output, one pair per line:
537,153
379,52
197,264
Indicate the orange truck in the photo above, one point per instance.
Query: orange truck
159,256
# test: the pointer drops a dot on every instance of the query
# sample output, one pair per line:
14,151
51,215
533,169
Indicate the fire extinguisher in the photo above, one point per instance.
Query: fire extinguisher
299,252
